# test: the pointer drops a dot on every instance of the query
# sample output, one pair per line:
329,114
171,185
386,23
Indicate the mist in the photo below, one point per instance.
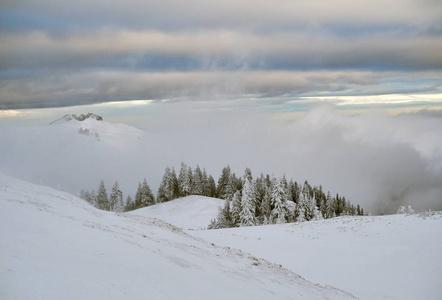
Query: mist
373,159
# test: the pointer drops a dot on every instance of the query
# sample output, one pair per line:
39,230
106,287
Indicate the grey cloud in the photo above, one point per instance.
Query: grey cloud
60,89
387,51
228,14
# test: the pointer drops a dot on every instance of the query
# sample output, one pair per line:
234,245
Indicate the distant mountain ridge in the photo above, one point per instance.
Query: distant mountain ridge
80,118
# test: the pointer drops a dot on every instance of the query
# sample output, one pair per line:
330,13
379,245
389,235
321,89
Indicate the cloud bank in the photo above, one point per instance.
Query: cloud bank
56,54
373,159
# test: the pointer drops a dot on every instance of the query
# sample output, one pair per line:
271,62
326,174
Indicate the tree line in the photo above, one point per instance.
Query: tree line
272,200
188,182
249,201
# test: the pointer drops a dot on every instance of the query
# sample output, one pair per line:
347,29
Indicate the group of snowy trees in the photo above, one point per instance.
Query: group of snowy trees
263,200
114,201
267,200
188,182
101,200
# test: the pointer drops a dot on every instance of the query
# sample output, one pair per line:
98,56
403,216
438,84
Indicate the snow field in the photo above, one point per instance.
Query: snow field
191,212
382,257
56,246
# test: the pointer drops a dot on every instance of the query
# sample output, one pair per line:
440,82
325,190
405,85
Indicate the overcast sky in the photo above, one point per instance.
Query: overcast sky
64,53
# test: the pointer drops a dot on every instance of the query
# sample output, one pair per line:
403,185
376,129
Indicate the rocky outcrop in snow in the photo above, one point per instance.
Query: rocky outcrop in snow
80,118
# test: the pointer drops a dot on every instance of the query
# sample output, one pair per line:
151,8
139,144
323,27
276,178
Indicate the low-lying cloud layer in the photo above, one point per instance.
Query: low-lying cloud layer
373,159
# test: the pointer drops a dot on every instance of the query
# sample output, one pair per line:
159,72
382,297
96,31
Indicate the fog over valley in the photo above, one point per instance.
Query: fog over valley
375,159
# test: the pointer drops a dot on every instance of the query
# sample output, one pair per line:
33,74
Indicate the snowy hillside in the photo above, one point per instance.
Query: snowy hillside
383,257
55,246
191,212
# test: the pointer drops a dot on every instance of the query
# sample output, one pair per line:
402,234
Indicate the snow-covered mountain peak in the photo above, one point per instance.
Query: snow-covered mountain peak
92,125
81,118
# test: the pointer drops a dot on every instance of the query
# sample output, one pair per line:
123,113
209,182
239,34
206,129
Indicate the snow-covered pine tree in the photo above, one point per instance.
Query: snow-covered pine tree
330,207
318,214
212,186
88,196
129,204
224,219
406,210
138,197
190,176
294,191
225,189
206,185
198,182
279,202
93,197
168,189
147,197
119,207
310,208
247,214
248,175
291,211
266,207
184,181
116,198
102,198
236,208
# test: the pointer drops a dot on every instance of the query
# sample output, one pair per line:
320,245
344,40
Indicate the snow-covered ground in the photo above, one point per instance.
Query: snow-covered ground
56,246
382,257
373,257
191,212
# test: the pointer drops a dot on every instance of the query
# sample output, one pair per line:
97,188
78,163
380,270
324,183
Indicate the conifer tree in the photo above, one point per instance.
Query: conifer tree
129,204
138,197
225,188
198,182
206,186
147,197
93,198
224,219
247,215
294,191
278,199
328,209
266,207
168,189
116,198
184,181
236,208
190,175
212,186
102,198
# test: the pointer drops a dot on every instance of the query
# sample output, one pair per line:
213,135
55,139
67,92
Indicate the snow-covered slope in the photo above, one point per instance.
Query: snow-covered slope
191,212
383,257
55,246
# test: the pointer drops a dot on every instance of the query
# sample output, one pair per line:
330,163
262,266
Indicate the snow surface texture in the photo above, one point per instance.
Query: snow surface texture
382,257
56,246
191,212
